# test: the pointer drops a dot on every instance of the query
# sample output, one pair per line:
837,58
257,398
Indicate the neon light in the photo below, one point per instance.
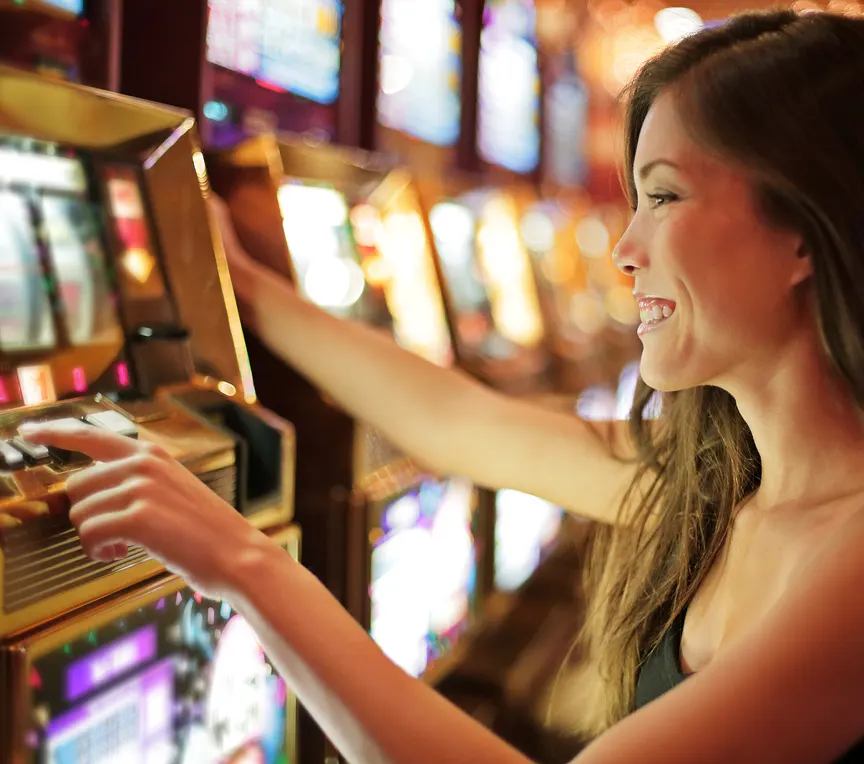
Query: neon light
269,86
122,373
79,380
4,395
37,385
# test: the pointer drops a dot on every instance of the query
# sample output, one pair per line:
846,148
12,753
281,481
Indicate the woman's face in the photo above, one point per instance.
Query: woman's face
715,282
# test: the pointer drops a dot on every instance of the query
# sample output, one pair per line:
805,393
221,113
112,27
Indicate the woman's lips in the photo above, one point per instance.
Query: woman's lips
654,312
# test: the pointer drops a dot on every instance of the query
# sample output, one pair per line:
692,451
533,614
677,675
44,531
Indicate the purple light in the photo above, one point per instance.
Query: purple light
109,662
123,375
79,380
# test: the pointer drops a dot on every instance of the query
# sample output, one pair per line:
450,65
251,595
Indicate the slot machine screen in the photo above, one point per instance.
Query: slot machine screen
424,567
454,228
526,529
72,6
293,45
26,320
57,288
179,680
508,128
421,68
323,251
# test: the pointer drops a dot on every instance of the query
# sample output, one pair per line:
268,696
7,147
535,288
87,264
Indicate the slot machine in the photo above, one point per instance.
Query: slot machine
475,176
74,40
246,68
348,230
114,310
588,302
157,674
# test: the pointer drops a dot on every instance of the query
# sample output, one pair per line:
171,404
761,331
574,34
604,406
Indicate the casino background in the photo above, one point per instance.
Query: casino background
444,170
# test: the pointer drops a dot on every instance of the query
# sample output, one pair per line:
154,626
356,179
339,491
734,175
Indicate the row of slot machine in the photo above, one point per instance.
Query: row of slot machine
116,308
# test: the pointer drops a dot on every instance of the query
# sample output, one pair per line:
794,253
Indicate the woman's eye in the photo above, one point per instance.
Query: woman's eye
659,200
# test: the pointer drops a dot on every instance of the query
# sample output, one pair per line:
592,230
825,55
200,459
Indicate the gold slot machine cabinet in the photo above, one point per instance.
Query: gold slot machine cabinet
114,310
349,231
157,674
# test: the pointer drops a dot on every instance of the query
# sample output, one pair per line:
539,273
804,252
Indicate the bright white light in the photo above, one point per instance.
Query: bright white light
56,173
673,24
538,231
333,283
396,73
592,236
452,224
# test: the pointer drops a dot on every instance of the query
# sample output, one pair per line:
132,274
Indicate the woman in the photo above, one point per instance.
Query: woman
743,519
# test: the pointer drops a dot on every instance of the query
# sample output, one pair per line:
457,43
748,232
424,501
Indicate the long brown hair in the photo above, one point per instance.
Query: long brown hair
777,94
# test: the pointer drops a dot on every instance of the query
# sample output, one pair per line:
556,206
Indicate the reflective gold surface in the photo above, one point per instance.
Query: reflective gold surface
161,144
35,497
164,143
17,658
250,176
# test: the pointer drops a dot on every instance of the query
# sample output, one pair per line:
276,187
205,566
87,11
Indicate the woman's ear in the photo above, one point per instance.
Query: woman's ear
802,268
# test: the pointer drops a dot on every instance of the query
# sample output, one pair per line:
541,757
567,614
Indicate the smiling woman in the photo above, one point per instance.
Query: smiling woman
729,593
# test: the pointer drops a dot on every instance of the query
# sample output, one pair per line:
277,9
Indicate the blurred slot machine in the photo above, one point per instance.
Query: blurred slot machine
429,61
114,310
159,674
587,301
74,40
349,231
491,289
243,68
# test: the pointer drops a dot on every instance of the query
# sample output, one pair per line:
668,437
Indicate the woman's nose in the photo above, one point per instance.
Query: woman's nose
629,256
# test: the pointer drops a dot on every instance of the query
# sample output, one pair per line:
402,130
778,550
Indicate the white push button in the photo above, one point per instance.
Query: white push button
114,421
10,457
35,453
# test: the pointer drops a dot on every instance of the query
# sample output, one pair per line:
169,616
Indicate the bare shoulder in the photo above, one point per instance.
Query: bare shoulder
788,690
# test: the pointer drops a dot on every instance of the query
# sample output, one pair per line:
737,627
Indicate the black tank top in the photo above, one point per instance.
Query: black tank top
661,672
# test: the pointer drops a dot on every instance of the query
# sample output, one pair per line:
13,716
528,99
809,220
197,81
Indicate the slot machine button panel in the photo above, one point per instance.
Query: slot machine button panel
10,457
64,456
115,422
33,453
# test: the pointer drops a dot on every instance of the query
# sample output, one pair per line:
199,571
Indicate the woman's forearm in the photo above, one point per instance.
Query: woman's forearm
371,710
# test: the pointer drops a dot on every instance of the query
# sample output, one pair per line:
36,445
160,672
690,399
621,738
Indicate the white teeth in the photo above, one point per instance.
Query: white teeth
655,313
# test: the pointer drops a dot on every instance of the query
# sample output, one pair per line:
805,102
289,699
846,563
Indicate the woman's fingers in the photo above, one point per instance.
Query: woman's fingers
106,531
100,445
101,476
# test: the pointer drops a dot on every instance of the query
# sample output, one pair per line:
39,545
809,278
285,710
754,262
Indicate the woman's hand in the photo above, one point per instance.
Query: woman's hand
136,493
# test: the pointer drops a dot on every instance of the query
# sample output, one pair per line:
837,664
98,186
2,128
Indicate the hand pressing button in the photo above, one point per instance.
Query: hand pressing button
33,452
37,454
113,421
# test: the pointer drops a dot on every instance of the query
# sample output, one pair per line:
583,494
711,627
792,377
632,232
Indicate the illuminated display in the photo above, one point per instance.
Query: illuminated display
412,290
365,263
508,130
420,63
73,6
181,680
423,573
26,321
526,529
454,228
291,44
37,385
79,264
137,265
509,273
323,252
